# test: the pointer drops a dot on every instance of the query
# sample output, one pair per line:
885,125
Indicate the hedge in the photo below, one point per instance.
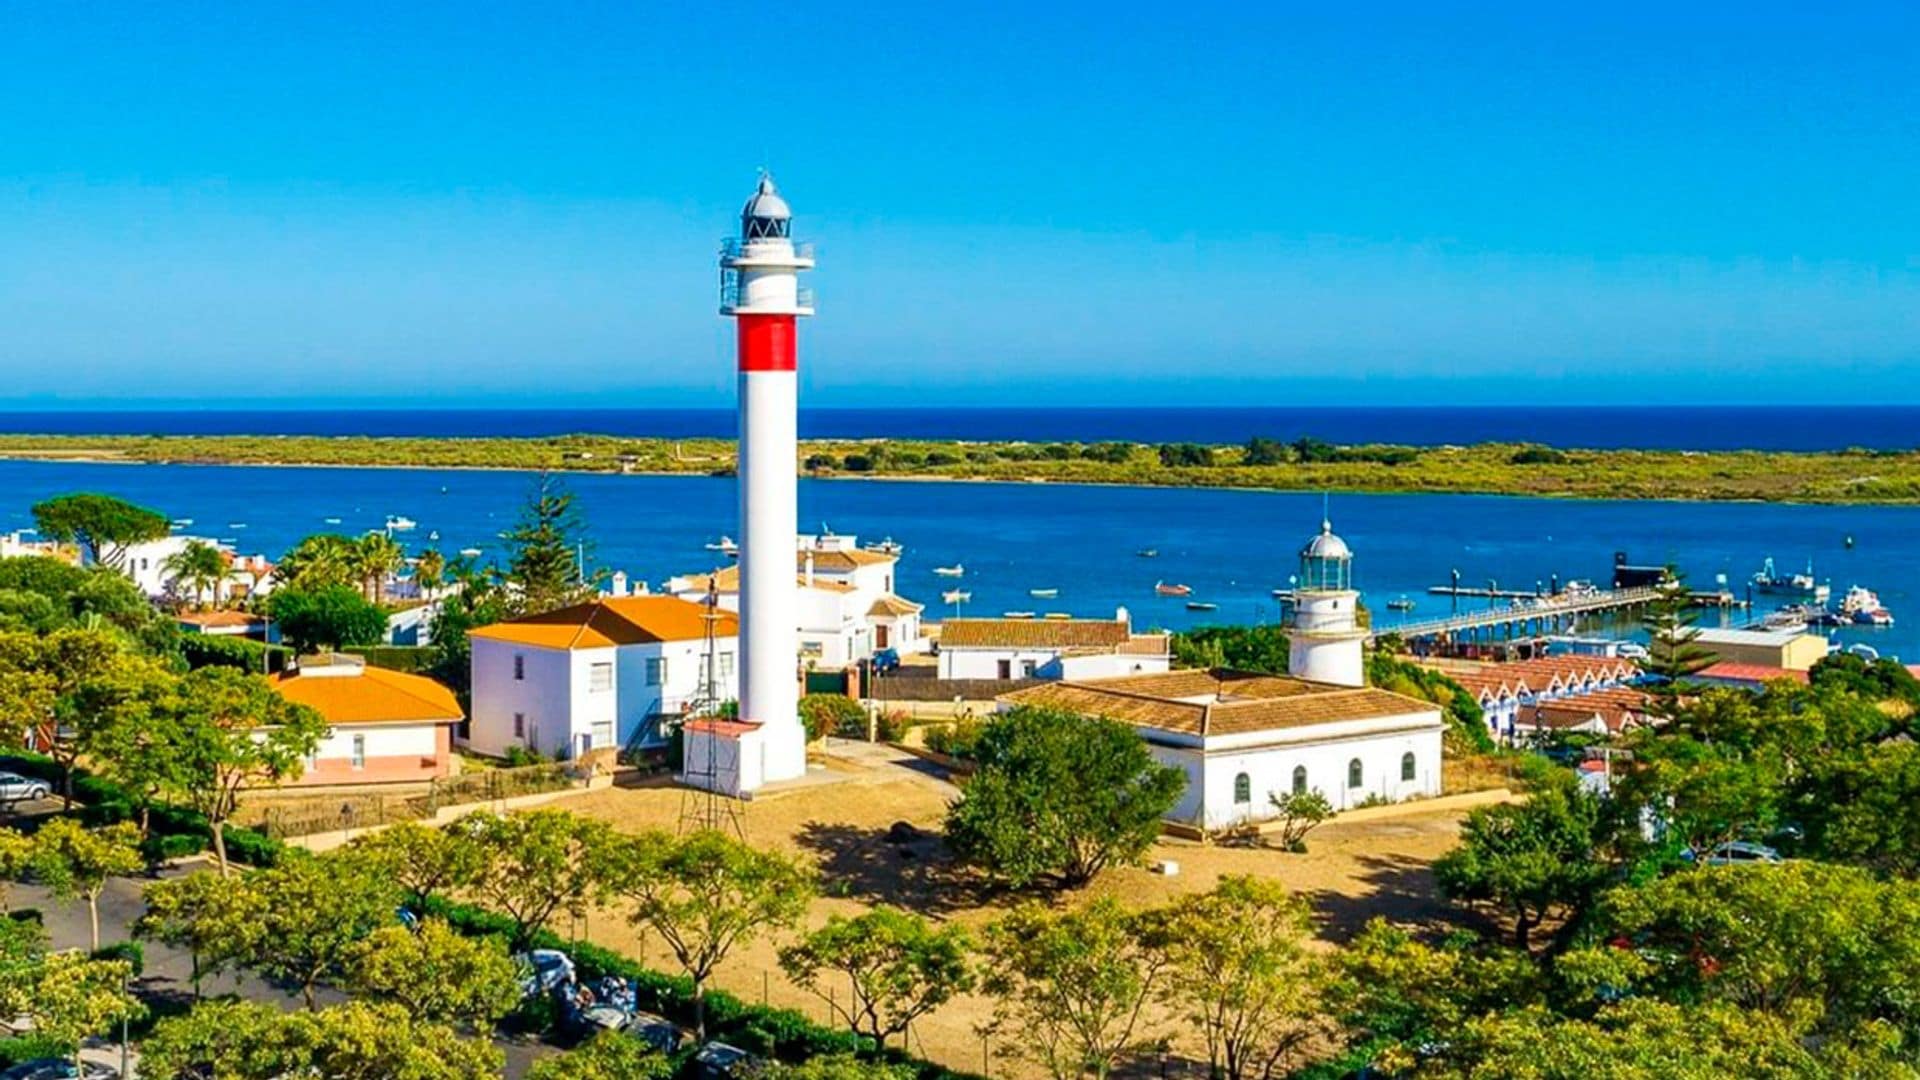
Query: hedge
217,650
408,658
781,1033
173,832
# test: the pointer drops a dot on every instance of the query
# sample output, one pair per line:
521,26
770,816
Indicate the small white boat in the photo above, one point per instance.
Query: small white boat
400,523
183,523
1058,615
1862,606
434,535
469,553
725,543
1400,603
1161,588
887,546
955,596
1201,605
1043,594
1016,614
236,525
331,521
956,570
1148,553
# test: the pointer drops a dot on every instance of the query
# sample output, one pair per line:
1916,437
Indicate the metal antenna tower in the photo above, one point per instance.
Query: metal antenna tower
701,804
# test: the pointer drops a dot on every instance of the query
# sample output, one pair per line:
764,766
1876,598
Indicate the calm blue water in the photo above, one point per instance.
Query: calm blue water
1681,427
1233,547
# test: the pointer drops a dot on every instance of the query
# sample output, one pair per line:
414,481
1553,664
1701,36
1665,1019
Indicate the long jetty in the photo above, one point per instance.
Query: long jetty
1529,616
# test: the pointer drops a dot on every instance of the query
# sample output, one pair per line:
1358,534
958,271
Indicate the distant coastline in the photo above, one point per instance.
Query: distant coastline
1846,477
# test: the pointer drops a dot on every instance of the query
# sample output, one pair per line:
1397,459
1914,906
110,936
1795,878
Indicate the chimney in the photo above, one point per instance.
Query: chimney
809,568
618,584
1120,616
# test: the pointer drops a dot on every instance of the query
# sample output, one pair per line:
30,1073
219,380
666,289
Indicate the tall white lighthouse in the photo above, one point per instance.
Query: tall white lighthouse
1324,639
760,290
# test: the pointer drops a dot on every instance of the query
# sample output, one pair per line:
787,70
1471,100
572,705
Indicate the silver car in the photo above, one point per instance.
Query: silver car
15,788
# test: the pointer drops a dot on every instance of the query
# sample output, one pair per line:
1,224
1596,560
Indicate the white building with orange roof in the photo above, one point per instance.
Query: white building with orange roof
385,727
846,605
1050,648
601,675
145,564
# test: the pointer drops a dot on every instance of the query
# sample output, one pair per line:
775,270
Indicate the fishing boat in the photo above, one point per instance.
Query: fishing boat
1148,553
1161,588
1862,607
1201,605
887,546
955,596
400,523
1400,603
725,543
1768,582
956,570
1043,594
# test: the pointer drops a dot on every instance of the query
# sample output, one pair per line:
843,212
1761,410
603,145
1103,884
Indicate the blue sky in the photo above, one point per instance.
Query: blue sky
1193,204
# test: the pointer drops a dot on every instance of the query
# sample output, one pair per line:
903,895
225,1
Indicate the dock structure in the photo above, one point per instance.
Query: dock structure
1528,616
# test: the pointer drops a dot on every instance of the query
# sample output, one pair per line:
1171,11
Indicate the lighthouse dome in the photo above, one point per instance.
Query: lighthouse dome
1326,545
766,213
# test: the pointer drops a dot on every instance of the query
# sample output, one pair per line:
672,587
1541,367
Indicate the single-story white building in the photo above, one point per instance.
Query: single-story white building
1242,738
1049,649
601,675
386,726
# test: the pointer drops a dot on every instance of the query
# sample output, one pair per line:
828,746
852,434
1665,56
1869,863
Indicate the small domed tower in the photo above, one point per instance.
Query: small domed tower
1323,632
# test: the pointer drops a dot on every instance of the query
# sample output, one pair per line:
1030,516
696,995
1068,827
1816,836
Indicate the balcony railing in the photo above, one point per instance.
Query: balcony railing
731,297
733,247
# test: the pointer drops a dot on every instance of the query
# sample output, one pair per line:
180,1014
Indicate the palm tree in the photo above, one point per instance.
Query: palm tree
199,566
377,557
318,561
429,572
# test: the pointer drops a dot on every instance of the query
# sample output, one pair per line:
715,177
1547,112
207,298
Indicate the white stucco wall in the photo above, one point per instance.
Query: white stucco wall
971,663
560,706
1269,768
382,740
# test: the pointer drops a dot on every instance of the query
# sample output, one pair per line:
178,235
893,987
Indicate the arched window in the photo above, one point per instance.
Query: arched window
1242,789
1406,766
1299,779
1353,773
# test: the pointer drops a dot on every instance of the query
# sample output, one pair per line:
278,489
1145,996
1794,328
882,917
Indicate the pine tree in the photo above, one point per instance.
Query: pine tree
547,556
1672,649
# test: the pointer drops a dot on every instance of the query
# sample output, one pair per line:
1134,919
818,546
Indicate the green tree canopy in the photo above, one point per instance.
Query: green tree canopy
609,1055
547,548
535,865
897,968
1531,860
102,524
315,912
240,1040
329,617
435,973
1060,796
236,731
75,862
215,917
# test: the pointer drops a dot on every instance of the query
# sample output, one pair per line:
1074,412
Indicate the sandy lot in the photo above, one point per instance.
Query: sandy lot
1352,872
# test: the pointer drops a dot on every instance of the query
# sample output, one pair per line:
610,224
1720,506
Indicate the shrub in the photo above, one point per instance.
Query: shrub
215,650
1538,455
835,713
130,951
857,463
958,739
816,462
519,756
1185,455
941,457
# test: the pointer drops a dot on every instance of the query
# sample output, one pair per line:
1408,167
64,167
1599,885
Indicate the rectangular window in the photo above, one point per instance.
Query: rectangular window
519,667
723,667
656,670
602,734
600,677
359,751
1027,668
519,725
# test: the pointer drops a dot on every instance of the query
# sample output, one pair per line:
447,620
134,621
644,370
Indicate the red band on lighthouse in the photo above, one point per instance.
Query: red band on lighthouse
766,343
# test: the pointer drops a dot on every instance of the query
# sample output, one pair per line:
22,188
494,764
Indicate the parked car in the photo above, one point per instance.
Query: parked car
15,788
886,661
718,1061
59,1069
542,970
656,1031
1739,853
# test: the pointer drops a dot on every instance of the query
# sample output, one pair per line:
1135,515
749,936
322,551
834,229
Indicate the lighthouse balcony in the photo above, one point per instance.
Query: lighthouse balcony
736,300
766,254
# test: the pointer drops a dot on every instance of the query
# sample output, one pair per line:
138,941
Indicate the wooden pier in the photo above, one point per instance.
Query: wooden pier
1528,615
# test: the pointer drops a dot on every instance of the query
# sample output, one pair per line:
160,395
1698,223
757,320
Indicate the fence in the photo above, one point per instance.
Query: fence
286,817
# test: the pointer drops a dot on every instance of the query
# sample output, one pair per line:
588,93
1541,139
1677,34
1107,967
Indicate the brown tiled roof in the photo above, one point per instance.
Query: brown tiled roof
205,619
1726,669
1033,633
837,562
894,605
1218,702
371,696
1146,645
623,620
728,579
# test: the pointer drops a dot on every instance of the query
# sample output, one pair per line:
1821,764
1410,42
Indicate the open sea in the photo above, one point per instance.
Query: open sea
1232,547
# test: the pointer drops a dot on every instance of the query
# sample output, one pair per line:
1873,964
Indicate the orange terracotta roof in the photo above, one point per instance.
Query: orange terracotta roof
1219,702
1033,633
726,729
835,562
205,619
1759,673
371,696
610,621
894,605
727,580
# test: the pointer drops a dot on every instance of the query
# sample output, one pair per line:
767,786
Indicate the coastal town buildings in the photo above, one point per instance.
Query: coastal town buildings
1550,693
844,602
145,564
1784,649
1243,738
225,622
385,727
21,543
602,675
1049,648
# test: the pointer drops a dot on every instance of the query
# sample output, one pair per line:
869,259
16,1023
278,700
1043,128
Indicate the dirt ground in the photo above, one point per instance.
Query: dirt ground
1351,872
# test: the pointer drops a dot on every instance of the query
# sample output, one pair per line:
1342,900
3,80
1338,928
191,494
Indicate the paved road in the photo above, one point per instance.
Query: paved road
168,973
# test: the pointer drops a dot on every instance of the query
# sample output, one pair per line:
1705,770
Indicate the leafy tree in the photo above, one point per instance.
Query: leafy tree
214,917
315,911
429,571
435,973
1185,455
71,998
75,862
1298,814
1884,679
546,550
1261,451
237,1040
842,1067
102,524
1466,722
1704,794
827,714
1391,990
133,736
1062,796
64,595
1673,651
377,557
1242,648
423,860
28,688
318,562
1074,984
535,865
704,893
16,855
609,1055
1239,971
898,968
236,732
1859,808
198,566
1531,859
71,680
329,617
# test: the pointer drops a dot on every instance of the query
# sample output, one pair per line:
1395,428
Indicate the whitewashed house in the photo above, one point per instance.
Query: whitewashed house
384,727
1049,648
145,564
847,606
601,675
1242,738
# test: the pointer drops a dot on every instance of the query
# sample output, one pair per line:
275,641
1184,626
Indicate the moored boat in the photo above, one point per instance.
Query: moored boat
1862,607
1769,582
400,523
725,543
1201,605
956,570
1163,589
1043,594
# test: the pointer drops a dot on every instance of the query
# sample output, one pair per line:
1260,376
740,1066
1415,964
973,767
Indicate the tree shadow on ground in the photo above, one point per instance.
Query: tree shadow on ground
907,867
1398,889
